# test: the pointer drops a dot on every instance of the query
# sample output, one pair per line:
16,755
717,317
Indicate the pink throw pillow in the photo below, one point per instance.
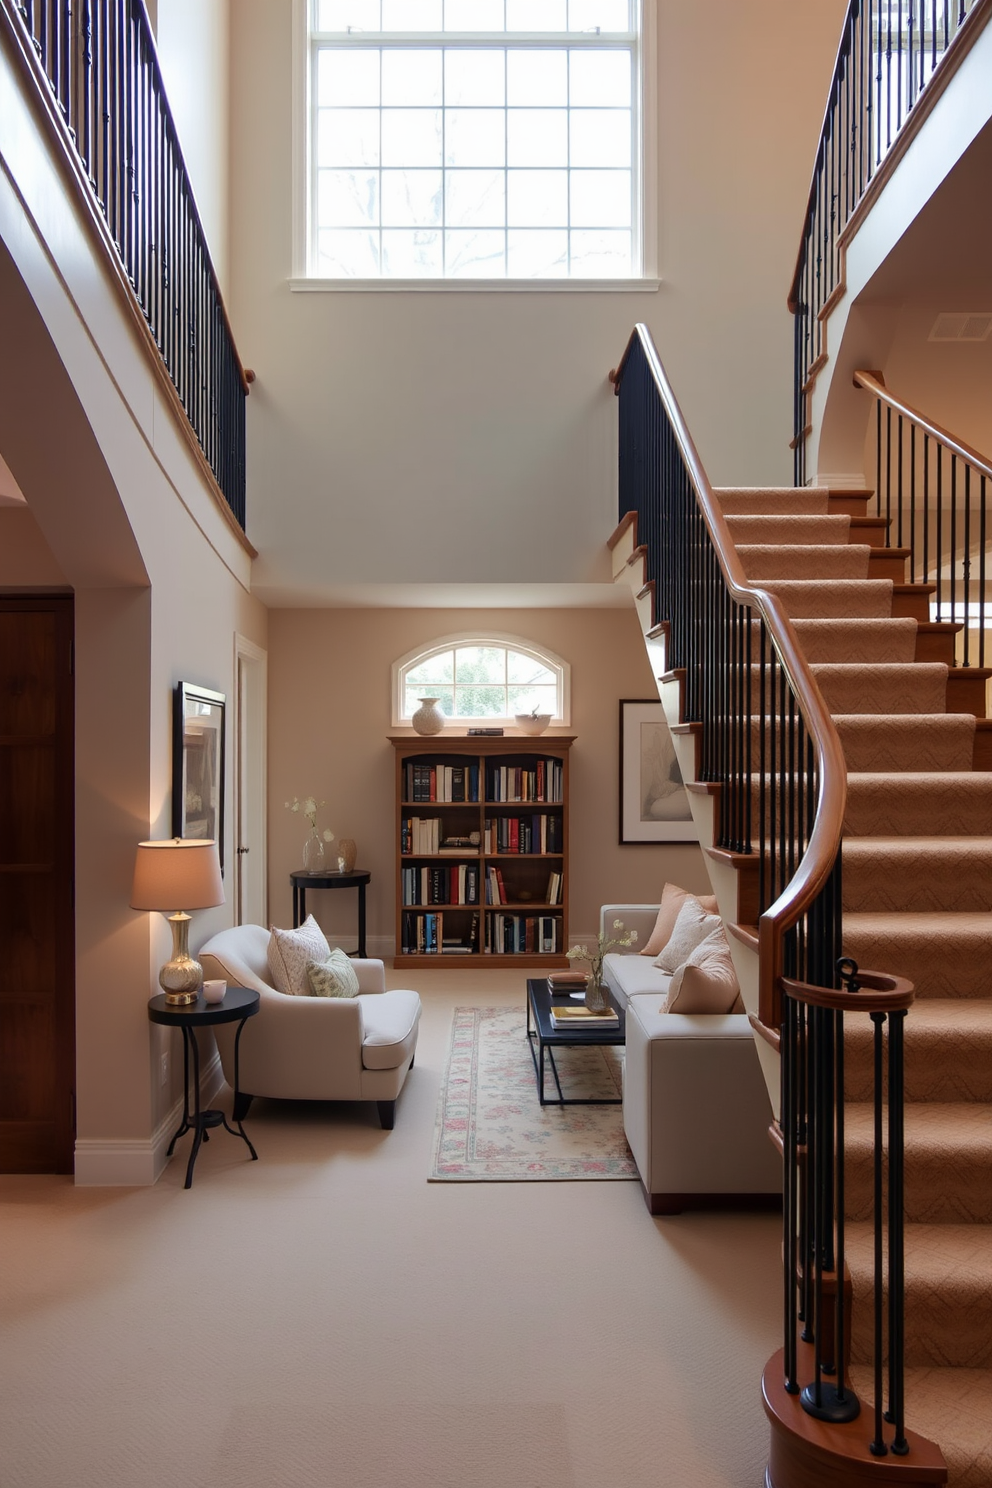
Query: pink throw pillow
672,900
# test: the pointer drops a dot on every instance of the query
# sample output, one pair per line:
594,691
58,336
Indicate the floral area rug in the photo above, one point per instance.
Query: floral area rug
491,1126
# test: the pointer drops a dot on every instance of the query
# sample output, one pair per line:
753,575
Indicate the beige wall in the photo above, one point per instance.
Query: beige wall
468,437
26,560
193,39
329,718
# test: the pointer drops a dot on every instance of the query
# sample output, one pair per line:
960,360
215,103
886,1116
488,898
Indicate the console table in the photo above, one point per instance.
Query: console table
356,879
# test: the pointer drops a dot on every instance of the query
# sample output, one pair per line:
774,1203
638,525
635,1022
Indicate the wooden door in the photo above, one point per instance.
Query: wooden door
37,932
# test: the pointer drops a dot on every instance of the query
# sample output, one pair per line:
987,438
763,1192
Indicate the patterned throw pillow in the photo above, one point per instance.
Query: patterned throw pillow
335,977
691,929
707,983
290,953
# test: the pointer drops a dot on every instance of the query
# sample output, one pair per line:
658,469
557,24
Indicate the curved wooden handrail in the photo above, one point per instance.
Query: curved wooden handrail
878,993
818,861
872,383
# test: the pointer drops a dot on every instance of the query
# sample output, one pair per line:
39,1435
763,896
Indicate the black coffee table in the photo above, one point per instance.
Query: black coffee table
544,1039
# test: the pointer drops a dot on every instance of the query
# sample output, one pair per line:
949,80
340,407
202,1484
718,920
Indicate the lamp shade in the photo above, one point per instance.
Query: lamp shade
177,874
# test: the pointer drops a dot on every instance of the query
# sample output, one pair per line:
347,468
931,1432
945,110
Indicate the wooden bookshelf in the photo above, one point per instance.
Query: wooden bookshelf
478,818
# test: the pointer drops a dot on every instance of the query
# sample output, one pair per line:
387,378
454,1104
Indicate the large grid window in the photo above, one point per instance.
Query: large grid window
493,139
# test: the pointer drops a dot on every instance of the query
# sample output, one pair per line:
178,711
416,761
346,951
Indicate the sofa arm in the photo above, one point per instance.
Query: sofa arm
639,917
371,975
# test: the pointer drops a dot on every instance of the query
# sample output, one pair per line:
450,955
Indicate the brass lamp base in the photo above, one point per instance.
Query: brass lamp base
181,978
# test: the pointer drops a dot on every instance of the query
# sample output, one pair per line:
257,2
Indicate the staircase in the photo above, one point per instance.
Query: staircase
917,896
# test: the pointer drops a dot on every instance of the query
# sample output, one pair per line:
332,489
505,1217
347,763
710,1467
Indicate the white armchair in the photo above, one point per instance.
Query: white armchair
313,1048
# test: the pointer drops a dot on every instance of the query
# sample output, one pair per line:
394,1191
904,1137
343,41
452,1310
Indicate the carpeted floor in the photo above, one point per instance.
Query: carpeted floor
325,1318
491,1126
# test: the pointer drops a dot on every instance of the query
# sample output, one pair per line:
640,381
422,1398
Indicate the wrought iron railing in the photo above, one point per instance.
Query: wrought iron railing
766,740
104,80
888,55
935,492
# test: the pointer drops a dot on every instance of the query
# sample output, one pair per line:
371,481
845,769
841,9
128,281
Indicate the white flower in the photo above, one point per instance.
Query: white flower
328,835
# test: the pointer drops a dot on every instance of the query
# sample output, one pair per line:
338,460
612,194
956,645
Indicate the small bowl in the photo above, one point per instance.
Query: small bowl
214,991
533,723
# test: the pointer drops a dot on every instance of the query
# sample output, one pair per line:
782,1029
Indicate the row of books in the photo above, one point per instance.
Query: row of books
543,782
496,888
420,834
517,934
423,935
440,782
458,884
541,833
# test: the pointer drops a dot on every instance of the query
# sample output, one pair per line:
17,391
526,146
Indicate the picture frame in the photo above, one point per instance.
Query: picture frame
654,804
198,740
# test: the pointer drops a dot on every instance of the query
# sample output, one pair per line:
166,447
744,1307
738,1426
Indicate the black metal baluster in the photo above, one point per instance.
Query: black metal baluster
877,1446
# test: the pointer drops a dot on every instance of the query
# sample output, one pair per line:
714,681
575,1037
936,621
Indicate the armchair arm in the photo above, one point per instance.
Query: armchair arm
371,975
639,917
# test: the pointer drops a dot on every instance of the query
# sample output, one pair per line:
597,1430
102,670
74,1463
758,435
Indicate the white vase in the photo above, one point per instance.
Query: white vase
428,718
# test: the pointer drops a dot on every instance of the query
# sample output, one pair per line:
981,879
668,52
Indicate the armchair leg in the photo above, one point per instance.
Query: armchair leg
387,1114
242,1102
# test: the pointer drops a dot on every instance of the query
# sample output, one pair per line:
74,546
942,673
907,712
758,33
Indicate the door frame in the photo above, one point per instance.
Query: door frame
250,775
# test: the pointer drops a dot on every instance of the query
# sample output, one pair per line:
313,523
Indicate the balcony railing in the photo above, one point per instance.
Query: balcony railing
889,53
105,85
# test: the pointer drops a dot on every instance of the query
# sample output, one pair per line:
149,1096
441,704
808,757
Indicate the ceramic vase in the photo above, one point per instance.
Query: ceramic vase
596,999
347,855
313,853
428,718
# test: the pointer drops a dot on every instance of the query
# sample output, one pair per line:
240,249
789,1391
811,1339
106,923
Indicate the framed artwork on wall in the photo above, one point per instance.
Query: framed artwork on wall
654,806
198,764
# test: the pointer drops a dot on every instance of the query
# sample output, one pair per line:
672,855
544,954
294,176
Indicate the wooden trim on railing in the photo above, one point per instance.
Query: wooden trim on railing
824,843
878,992
872,383
38,92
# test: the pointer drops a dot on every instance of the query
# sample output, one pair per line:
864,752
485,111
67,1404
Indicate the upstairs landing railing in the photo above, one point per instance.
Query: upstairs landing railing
935,491
96,64
766,740
890,52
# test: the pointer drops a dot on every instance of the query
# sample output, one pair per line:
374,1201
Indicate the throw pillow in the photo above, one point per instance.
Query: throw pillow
672,900
691,929
290,953
335,977
707,983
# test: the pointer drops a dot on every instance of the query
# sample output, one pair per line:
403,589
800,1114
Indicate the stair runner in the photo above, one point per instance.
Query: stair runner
917,884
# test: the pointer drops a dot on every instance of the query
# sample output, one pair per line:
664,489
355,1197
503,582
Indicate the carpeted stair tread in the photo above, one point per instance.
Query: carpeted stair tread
919,804
800,561
868,599
942,954
884,687
917,873
845,640
915,742
791,528
948,1147
949,1406
948,1295
948,1051
758,500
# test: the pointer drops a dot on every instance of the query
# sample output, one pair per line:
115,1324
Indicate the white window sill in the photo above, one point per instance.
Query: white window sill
474,286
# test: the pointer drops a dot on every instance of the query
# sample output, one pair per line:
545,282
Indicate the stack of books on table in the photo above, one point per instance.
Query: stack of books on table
574,1015
566,981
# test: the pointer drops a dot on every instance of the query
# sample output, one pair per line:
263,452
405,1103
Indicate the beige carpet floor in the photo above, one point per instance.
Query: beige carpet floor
326,1318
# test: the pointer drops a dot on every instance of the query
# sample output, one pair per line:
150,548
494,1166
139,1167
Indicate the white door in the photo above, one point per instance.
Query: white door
250,898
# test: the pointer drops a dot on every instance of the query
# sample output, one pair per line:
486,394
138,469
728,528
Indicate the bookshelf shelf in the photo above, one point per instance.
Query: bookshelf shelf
502,897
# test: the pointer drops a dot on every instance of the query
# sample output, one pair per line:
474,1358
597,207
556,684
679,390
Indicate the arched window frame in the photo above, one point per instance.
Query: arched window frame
555,663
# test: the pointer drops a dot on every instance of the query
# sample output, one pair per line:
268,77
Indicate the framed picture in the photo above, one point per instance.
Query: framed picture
654,806
198,764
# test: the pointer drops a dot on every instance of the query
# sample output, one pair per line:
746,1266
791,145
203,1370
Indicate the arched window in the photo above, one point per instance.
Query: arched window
482,679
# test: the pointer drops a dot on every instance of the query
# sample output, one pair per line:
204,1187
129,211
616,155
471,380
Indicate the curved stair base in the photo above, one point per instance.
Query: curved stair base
807,1453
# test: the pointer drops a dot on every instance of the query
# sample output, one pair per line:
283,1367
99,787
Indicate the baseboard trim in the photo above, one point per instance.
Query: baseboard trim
675,1203
138,1162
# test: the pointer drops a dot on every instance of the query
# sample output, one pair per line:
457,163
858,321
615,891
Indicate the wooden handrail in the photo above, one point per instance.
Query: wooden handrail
872,382
818,861
878,993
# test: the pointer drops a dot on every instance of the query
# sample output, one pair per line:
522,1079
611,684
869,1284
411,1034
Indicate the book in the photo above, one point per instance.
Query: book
566,980
576,1016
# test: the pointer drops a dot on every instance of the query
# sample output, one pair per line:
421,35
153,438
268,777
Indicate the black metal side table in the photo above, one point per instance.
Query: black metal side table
356,879
239,1004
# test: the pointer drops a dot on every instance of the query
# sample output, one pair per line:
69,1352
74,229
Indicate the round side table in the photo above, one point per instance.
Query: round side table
356,879
239,1004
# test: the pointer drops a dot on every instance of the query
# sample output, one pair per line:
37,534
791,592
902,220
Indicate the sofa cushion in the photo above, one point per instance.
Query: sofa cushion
672,899
291,952
335,977
390,1020
630,976
707,982
692,927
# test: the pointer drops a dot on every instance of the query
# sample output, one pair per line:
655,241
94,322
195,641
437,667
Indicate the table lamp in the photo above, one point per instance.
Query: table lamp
167,874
